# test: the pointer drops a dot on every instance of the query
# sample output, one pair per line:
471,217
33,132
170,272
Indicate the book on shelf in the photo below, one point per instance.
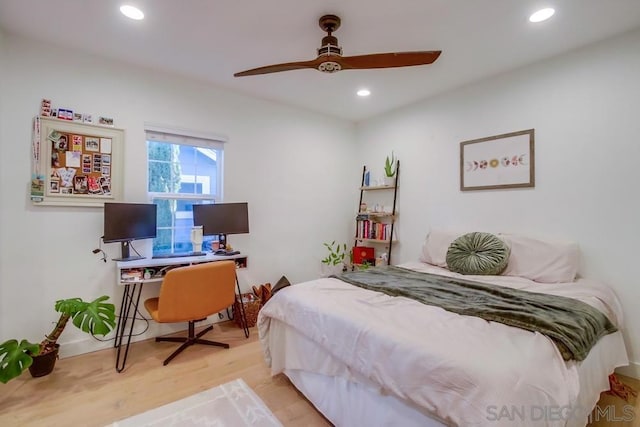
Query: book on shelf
367,229
132,274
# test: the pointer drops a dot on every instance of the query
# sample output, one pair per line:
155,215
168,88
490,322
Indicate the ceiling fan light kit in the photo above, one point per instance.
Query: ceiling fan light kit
330,59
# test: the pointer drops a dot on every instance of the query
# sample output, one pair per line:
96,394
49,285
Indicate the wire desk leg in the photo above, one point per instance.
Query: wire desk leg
130,298
245,326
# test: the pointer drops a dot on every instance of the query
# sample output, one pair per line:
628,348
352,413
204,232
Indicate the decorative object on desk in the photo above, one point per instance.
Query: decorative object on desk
96,317
390,169
497,162
252,305
230,404
333,263
196,238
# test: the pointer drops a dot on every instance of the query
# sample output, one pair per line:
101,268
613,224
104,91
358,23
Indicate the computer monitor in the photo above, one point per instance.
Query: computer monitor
222,219
124,222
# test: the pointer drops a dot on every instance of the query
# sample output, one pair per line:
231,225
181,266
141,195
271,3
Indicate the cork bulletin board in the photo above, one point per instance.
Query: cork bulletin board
80,164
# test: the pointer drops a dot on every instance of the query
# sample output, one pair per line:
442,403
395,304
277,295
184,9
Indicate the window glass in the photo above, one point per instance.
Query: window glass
182,171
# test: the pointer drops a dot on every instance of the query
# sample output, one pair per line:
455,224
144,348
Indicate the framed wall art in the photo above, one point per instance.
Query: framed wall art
496,162
77,164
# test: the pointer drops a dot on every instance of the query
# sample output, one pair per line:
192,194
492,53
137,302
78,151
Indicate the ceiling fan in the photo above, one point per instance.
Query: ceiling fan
330,57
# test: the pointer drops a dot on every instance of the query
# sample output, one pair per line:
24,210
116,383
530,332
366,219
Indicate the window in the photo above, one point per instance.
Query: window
184,169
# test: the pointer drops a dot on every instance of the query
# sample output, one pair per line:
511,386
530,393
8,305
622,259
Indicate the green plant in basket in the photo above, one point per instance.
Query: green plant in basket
96,317
389,166
337,253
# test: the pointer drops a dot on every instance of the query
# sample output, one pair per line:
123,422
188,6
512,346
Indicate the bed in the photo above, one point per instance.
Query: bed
363,357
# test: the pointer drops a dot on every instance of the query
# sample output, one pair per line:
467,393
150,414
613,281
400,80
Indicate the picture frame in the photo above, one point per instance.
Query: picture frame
71,176
498,162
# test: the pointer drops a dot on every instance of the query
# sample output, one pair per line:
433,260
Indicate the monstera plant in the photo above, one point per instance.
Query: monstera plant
96,317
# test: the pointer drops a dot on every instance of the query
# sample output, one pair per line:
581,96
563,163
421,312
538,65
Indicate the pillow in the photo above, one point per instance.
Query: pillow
435,246
542,261
478,253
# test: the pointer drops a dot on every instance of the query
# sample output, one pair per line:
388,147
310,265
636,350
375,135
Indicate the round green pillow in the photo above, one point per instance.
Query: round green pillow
479,254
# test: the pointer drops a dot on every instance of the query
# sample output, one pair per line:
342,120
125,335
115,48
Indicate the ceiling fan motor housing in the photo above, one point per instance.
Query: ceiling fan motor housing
329,49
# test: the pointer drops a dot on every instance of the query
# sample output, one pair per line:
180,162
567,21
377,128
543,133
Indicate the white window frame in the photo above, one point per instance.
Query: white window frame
203,142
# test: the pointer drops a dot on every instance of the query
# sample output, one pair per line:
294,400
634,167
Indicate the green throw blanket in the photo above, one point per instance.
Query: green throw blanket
573,326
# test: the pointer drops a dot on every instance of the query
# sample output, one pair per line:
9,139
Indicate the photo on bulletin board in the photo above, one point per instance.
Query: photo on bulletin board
83,163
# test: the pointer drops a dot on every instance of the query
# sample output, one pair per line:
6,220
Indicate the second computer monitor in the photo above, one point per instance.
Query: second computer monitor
222,218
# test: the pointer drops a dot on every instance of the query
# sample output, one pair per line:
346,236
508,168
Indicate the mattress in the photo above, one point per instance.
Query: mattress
364,358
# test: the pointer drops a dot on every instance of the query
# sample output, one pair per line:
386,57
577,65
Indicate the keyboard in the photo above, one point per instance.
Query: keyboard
222,252
182,255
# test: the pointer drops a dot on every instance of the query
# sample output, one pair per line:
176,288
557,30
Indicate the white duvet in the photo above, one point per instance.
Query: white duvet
461,370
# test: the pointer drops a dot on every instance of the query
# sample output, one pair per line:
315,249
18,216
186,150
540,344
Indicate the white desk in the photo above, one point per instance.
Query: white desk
163,262
132,289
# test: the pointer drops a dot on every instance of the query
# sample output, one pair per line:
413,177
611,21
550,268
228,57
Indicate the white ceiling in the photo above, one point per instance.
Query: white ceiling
210,40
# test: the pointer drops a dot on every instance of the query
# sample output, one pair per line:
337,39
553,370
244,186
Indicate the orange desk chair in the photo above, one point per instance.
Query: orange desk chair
192,293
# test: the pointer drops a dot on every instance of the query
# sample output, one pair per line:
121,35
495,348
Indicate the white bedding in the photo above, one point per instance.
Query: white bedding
460,370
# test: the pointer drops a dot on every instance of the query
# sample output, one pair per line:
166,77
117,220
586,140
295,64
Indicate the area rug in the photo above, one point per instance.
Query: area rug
233,404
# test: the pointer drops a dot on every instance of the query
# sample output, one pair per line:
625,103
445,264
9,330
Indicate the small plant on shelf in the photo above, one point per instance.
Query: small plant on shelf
389,166
96,317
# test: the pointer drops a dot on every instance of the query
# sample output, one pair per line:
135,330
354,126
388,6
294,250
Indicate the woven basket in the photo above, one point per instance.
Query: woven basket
251,305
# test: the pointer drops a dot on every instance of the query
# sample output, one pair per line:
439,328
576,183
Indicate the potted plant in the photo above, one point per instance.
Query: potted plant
334,261
96,317
390,169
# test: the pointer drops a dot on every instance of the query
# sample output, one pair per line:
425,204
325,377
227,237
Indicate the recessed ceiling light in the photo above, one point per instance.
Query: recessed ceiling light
363,92
542,15
131,12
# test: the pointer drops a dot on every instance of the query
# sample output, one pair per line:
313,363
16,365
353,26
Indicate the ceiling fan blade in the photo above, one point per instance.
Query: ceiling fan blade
388,60
278,67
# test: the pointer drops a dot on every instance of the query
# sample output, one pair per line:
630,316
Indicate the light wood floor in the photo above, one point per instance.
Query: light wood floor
86,390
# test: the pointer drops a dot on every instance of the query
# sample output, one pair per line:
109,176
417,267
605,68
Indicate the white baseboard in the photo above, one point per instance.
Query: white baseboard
632,370
89,345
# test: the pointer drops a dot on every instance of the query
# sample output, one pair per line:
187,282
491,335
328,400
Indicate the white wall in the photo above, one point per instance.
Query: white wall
291,166
3,178
584,108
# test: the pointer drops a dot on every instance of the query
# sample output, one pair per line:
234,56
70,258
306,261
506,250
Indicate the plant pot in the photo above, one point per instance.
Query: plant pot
43,364
390,180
